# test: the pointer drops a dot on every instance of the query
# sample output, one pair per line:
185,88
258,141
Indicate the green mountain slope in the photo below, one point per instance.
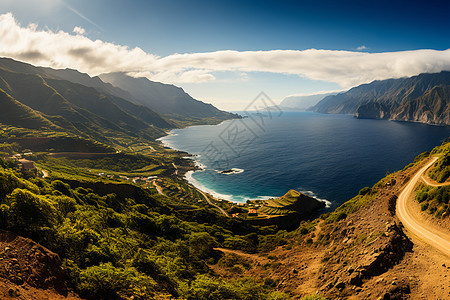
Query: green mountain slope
82,110
164,98
15,113
168,100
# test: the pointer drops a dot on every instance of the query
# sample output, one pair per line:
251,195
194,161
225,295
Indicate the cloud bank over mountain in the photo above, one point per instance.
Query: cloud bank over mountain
59,49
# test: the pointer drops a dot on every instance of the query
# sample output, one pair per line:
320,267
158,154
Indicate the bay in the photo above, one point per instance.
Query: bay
330,156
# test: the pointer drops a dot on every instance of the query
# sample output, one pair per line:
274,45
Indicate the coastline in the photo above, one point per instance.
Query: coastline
200,167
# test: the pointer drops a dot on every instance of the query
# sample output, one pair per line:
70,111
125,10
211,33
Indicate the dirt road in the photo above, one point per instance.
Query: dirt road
438,239
158,188
213,204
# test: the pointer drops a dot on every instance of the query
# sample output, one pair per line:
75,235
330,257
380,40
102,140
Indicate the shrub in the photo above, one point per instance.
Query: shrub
108,282
29,211
270,242
201,245
365,191
230,259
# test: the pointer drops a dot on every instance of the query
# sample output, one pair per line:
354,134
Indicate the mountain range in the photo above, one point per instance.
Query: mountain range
67,100
423,98
302,102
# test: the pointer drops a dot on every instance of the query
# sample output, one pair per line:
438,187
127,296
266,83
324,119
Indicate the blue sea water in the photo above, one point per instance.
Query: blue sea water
329,156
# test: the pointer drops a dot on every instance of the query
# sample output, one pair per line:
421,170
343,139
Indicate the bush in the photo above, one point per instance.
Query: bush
62,187
424,206
29,211
201,245
270,242
108,282
205,287
421,196
230,259
365,191
239,243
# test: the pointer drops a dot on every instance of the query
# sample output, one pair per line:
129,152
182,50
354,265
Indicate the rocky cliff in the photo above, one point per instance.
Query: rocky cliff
424,98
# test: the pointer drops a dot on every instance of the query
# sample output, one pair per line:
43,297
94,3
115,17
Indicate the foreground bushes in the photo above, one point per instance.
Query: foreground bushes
115,248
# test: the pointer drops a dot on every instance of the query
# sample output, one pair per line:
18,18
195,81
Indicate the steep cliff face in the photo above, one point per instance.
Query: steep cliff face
423,98
372,110
431,108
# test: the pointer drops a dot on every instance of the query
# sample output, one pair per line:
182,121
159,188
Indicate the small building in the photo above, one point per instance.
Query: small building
252,212
27,167
26,164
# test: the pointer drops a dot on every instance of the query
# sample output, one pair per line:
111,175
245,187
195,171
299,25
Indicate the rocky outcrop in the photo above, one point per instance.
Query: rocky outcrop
372,110
304,205
24,261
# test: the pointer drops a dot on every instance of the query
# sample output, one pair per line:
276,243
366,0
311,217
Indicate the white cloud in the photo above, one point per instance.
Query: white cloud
79,30
347,68
362,47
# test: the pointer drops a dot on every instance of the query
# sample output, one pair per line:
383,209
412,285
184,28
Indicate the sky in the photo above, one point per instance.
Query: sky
227,52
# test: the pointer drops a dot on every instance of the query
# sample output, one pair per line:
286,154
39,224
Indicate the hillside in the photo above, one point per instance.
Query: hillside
14,112
359,251
292,202
86,105
79,109
165,99
423,98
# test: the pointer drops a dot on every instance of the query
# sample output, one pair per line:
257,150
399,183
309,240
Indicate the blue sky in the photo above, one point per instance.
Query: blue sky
163,28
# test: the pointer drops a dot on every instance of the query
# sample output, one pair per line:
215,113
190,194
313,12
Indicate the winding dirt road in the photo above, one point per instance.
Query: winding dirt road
436,238
213,204
158,188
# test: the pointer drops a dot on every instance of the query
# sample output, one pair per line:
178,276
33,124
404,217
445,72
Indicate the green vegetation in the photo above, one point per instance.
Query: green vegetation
230,261
441,170
50,140
279,206
434,200
114,247
292,202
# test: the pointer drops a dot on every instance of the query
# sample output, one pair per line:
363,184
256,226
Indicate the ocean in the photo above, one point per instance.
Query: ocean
329,156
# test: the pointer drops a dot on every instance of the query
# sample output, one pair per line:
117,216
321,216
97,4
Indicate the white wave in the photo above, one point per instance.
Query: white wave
312,194
188,176
261,198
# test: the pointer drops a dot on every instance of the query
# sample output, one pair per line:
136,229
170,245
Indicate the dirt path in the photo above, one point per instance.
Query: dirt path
213,204
176,169
412,221
158,188
44,173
